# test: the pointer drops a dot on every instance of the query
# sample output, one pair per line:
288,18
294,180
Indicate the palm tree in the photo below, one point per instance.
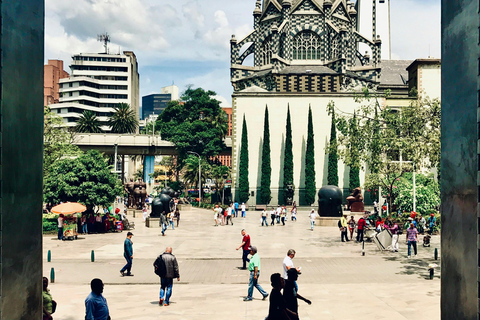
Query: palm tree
123,120
88,123
190,170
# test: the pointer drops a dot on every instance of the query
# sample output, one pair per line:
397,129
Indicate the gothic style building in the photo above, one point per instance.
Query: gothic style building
321,36
308,53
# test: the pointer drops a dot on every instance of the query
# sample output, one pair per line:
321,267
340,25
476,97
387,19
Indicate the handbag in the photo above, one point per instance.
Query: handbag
54,306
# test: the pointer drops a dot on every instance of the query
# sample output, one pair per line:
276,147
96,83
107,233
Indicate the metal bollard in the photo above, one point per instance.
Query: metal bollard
363,248
52,276
49,256
436,254
92,256
431,273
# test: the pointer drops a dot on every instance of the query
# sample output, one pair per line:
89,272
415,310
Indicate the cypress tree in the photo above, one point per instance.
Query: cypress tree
265,192
354,176
243,186
288,158
332,178
375,158
310,186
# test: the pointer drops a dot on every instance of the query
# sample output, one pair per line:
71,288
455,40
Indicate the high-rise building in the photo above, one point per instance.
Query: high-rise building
52,73
157,102
98,82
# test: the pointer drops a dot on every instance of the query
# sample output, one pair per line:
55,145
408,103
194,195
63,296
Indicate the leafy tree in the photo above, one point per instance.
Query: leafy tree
392,141
310,185
243,184
288,158
57,141
427,193
332,150
86,179
196,123
354,163
219,172
266,179
124,119
138,175
88,123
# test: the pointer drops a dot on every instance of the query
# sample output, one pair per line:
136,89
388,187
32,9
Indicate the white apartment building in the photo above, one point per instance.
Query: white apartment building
98,82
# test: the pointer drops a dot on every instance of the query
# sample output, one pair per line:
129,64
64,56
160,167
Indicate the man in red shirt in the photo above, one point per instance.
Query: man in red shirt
360,226
246,248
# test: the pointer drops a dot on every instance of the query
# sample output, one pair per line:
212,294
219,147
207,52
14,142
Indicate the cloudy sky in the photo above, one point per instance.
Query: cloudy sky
187,41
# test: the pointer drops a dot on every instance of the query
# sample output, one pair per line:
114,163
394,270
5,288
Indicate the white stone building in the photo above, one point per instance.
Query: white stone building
306,54
98,82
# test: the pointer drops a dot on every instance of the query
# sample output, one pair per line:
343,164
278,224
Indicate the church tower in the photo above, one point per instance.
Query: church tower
374,17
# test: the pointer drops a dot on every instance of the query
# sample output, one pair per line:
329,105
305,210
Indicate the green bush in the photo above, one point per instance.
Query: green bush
426,189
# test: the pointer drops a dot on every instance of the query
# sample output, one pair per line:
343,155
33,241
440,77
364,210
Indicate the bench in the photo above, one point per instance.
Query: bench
261,207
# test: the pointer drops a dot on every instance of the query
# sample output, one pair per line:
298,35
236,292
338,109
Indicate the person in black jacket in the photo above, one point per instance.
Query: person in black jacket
277,309
290,293
171,272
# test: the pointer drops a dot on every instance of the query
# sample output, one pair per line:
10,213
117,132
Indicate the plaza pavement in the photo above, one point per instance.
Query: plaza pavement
340,282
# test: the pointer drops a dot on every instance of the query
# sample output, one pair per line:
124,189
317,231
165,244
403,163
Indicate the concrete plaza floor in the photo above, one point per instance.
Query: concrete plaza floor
340,282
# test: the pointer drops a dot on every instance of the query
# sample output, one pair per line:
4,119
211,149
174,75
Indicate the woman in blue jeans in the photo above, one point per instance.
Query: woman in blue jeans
412,239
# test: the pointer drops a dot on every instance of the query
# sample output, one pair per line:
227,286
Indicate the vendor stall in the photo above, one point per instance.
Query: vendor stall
70,211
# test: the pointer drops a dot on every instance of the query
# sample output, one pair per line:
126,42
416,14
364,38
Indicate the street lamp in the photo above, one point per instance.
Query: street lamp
199,177
153,117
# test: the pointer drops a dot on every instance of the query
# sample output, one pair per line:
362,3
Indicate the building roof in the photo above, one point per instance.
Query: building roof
394,72
429,61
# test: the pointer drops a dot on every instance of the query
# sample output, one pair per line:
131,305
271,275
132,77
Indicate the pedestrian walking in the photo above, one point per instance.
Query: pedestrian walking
264,217
312,215
272,216
394,231
431,223
236,209
360,227
145,212
294,214
60,219
245,248
288,263
343,228
230,211
243,210
351,226
223,214
277,309
216,211
163,222
412,239
283,215
254,268
168,267
277,213
290,293
177,216
128,255
96,307
170,220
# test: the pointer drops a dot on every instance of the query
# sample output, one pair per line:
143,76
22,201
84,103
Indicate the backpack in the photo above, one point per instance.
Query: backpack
340,223
160,267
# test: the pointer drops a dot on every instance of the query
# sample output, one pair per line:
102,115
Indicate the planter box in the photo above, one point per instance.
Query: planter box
152,222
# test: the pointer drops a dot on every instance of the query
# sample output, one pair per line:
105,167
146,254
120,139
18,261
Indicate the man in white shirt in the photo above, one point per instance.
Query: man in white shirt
312,216
229,215
243,209
288,263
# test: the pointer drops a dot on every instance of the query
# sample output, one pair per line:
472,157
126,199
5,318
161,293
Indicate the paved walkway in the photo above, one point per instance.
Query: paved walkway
341,283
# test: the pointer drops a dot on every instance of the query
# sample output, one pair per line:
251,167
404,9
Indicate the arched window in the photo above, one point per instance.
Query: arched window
306,46
266,51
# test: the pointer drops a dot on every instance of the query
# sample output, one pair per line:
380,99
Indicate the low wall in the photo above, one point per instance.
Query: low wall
152,222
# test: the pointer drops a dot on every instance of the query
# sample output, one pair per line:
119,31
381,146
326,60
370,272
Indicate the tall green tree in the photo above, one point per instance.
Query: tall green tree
87,179
124,119
88,123
288,158
354,163
266,178
243,184
310,185
57,141
191,168
332,149
392,141
196,123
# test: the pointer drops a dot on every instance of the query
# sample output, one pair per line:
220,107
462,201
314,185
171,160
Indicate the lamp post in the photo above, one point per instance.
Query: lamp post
199,176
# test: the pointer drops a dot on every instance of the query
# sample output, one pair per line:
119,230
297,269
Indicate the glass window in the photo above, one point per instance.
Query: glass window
306,46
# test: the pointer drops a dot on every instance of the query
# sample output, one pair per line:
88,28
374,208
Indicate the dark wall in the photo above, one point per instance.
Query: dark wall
459,167
21,141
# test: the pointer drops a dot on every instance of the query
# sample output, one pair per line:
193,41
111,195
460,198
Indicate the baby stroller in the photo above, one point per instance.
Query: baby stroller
426,240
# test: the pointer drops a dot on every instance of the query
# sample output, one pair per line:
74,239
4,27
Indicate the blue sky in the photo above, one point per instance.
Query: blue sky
187,41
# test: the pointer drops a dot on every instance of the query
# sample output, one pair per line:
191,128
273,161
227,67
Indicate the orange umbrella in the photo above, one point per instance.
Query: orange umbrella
69,208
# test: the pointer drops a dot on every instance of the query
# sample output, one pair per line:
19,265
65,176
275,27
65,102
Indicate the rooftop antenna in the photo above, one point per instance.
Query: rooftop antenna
105,38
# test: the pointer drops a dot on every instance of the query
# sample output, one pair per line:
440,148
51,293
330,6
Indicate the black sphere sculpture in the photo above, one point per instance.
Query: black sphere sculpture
330,201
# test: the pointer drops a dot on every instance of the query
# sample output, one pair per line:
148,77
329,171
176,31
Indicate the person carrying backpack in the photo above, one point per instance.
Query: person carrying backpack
166,267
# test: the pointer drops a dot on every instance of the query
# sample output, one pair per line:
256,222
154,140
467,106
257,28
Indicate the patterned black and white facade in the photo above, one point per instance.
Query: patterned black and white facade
305,46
